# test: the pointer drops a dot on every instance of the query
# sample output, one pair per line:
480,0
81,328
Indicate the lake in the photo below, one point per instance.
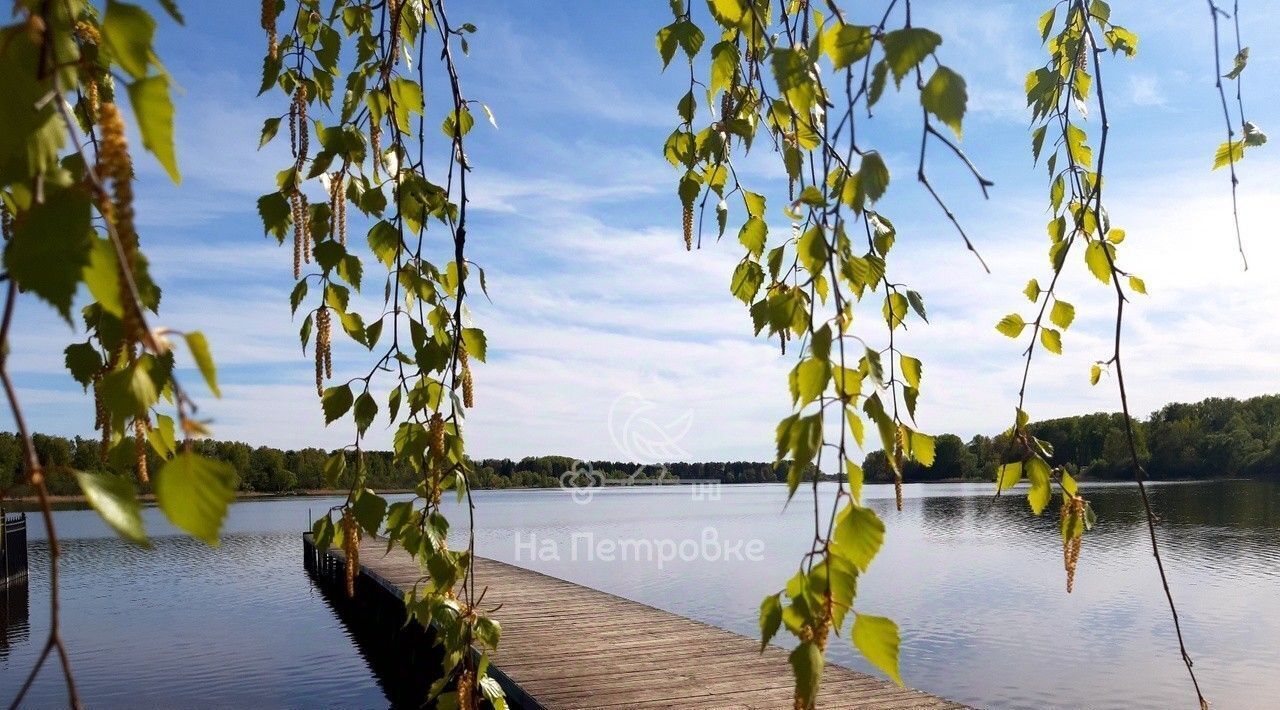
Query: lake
975,583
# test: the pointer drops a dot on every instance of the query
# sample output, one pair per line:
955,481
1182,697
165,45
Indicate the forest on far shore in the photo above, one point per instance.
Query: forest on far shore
1214,438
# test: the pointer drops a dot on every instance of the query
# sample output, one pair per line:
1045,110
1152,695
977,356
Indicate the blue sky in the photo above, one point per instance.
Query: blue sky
600,320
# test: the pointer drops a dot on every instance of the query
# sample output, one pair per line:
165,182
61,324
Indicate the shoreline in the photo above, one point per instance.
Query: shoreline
31,503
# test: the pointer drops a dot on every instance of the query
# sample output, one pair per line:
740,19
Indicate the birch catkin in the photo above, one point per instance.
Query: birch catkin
269,24
114,164
351,548
324,344
141,426
468,385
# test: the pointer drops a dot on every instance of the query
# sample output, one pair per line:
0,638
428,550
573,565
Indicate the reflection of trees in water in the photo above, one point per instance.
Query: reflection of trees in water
14,627
1221,525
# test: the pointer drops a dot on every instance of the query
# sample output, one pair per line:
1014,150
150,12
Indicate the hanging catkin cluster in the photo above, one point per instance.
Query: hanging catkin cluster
338,208
6,222
688,226
299,137
114,165
393,11
351,548
1072,514
324,349
375,141
100,418
141,426
435,436
269,24
466,689
468,385
88,34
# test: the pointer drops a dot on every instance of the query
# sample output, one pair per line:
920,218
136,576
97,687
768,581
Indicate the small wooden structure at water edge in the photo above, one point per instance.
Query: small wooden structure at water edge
13,549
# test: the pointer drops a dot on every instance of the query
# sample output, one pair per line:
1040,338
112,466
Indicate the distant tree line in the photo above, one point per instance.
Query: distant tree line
1215,438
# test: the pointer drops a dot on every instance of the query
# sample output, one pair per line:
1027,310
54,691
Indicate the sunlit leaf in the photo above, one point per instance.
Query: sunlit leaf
194,491
877,638
116,501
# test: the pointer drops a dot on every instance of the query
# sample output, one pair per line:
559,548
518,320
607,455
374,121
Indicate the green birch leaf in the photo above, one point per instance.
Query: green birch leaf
127,30
877,638
770,619
911,369
1041,491
1051,340
859,535
116,501
199,347
1095,257
847,44
753,235
945,97
922,448
1011,325
50,247
1228,153
1032,291
806,664
1009,475
1062,314
154,111
194,491
84,361
477,345
336,401
365,411
369,509
907,47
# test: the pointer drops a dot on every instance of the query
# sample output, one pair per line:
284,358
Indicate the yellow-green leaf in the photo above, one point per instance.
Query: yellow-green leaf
1228,153
199,347
1032,291
1062,314
922,448
194,491
877,638
806,663
911,369
770,619
1011,325
945,97
116,501
1051,340
1095,256
1041,492
154,111
858,536
1009,475
127,30
1137,284
847,44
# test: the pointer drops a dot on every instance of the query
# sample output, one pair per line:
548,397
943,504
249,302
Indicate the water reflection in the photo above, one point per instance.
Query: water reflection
14,626
976,584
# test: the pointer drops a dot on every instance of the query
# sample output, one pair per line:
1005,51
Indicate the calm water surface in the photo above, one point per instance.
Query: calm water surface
975,584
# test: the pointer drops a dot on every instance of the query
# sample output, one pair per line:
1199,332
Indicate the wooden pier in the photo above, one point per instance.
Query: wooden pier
568,646
13,549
